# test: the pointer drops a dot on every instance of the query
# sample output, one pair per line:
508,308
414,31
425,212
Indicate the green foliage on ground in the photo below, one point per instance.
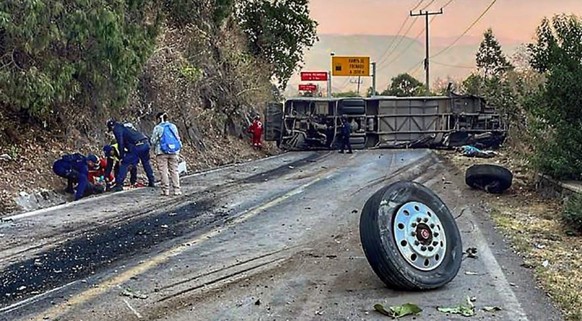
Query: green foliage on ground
572,213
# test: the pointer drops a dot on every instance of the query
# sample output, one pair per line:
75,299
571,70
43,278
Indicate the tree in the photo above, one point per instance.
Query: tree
490,58
351,93
278,32
56,53
404,85
557,53
369,92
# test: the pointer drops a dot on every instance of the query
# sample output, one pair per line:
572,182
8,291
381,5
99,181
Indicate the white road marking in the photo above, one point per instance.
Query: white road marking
105,286
34,298
511,303
101,197
139,316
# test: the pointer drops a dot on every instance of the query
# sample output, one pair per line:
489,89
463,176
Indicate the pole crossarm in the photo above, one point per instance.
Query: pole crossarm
426,13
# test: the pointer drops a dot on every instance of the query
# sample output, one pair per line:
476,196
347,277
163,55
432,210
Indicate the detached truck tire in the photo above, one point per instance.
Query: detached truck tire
490,178
410,238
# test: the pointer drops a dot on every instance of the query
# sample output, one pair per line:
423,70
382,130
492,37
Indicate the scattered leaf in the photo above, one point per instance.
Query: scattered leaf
130,293
465,309
398,311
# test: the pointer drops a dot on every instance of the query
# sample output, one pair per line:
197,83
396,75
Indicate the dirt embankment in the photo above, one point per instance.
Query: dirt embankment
209,87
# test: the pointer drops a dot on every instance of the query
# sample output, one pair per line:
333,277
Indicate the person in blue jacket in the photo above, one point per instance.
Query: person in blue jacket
133,147
75,168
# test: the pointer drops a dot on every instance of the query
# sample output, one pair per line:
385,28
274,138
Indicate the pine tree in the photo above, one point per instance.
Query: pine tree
490,58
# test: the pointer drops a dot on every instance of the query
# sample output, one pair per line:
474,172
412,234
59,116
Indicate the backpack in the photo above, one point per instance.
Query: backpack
169,142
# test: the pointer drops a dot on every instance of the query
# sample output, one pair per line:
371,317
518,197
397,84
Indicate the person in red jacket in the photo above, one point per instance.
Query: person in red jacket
97,167
256,129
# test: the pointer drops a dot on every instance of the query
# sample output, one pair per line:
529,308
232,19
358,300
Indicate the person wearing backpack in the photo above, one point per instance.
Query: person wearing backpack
167,145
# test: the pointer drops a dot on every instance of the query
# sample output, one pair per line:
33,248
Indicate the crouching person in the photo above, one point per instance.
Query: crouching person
75,168
97,171
167,145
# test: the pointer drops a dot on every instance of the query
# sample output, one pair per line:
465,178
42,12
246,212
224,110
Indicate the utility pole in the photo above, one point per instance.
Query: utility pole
329,74
359,82
373,79
426,59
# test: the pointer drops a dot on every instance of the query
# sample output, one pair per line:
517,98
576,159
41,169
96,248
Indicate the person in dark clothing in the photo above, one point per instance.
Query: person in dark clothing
111,153
75,168
138,149
345,136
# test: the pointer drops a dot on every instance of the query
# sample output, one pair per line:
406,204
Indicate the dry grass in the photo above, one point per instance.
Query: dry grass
534,227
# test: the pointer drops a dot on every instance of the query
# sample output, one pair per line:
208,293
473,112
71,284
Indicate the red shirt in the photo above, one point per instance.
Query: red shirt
98,171
256,127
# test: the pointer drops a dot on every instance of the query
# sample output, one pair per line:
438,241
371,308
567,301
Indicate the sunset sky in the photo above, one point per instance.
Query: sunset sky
511,20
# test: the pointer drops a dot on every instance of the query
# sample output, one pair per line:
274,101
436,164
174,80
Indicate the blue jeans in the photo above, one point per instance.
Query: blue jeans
132,157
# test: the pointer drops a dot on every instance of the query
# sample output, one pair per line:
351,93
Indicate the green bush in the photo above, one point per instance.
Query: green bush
83,53
572,212
556,108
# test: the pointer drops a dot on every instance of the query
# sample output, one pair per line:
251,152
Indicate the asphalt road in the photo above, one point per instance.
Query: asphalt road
275,239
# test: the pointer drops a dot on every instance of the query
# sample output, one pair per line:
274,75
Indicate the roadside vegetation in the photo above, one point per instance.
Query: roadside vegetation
538,92
67,66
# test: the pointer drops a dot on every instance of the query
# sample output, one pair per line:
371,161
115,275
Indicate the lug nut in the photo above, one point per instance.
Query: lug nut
423,248
419,220
414,224
432,226
416,243
435,243
430,248
413,233
436,234
425,219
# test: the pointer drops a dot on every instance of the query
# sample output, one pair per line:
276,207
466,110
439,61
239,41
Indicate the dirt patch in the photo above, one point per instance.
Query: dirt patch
533,225
26,169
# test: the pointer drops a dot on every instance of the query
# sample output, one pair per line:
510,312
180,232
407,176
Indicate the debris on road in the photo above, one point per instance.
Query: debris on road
466,309
133,294
491,309
426,242
490,178
471,273
399,310
472,151
471,252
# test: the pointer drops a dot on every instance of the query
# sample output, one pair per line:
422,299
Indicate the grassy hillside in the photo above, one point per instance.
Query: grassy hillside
405,55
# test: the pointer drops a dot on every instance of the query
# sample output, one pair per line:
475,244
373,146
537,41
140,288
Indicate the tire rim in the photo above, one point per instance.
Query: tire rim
419,236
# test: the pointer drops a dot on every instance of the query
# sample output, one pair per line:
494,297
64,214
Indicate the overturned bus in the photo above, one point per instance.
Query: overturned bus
306,123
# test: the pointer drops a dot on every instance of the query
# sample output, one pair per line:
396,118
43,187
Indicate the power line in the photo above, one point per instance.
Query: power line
426,14
466,30
386,53
402,52
424,8
454,66
414,67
